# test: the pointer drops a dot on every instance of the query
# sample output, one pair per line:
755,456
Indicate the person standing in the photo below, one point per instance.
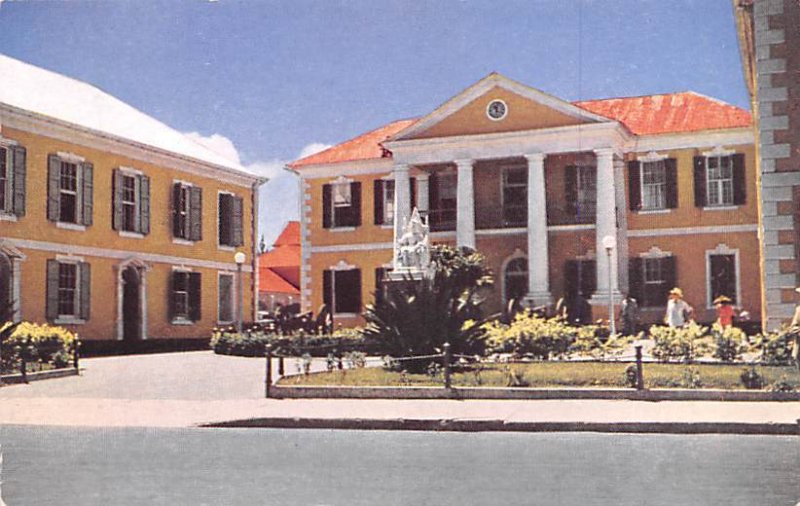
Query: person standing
679,312
725,311
629,315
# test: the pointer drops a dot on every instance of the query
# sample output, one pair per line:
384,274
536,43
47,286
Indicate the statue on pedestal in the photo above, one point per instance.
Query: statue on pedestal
412,251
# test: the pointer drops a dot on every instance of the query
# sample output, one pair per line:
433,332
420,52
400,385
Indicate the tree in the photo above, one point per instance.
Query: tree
417,318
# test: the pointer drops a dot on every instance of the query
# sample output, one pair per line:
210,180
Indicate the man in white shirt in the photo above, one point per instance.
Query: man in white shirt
678,311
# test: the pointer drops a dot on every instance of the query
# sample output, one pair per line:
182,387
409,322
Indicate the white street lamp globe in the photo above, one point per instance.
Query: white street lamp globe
239,258
609,242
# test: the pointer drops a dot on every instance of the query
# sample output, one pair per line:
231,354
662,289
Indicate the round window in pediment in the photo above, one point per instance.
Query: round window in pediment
496,110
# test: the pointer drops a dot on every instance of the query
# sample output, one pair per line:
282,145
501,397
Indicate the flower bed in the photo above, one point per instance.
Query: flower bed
42,347
254,343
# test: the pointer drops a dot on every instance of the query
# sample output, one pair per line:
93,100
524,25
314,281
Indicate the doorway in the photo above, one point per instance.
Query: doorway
131,304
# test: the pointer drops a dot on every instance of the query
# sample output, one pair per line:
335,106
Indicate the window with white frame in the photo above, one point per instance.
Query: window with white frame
515,196
515,279
655,280
185,296
68,193
719,181
443,202
342,290
654,185
129,203
722,276
388,202
181,207
342,196
68,290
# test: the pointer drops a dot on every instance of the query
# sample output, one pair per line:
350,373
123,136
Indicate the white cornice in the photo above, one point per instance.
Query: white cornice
701,139
482,87
27,121
352,168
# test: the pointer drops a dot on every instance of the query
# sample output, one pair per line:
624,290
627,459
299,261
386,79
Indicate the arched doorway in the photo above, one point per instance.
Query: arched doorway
131,304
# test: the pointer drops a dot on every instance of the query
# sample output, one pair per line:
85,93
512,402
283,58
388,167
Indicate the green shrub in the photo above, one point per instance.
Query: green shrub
43,344
530,335
782,385
729,343
775,347
255,344
631,376
680,343
751,379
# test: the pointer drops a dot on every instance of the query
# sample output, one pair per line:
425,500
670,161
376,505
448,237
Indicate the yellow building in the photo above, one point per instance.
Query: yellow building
536,183
113,224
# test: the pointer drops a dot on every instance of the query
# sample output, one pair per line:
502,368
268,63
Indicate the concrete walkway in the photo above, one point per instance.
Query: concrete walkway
200,388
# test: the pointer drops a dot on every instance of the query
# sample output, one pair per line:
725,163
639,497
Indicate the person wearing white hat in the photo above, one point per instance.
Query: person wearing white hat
678,310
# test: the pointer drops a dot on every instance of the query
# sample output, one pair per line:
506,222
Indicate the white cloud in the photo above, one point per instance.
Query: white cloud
312,149
269,169
217,143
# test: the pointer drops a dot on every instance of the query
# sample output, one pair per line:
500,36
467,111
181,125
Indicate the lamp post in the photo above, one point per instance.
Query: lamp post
239,258
609,243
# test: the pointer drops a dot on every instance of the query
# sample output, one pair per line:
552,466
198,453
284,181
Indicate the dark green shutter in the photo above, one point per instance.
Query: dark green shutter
171,295
18,165
571,190
636,279
195,297
195,217
739,182
327,289
85,289
327,206
357,290
87,188
634,185
700,181
237,218
224,211
53,187
412,190
671,179
52,290
176,207
669,269
377,193
116,203
355,204
144,205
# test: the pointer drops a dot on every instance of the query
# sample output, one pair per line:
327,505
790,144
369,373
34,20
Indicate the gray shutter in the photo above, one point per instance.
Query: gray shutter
636,280
116,203
739,181
52,290
87,175
18,164
671,175
377,201
53,187
144,205
327,289
171,296
237,218
327,208
699,181
634,185
176,203
85,290
195,213
195,298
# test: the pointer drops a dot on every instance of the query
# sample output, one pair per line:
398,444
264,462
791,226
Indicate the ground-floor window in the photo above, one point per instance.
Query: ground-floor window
651,278
225,302
515,279
342,290
381,275
68,290
185,296
722,276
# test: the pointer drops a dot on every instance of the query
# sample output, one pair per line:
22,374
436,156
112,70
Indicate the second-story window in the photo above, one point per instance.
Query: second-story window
515,196
581,192
70,190
341,204
131,206
187,208
230,220
384,201
442,195
5,180
719,180
12,180
653,183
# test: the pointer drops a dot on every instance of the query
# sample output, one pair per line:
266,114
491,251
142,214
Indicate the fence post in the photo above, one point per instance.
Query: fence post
23,361
639,372
281,369
268,378
447,358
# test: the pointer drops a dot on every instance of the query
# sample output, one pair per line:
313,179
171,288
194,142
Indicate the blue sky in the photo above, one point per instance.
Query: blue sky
267,81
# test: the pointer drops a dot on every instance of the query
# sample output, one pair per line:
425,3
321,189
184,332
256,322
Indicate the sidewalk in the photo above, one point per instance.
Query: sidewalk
202,389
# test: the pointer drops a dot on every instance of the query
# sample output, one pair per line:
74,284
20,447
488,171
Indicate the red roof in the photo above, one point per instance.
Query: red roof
671,113
269,281
290,235
284,256
646,115
363,147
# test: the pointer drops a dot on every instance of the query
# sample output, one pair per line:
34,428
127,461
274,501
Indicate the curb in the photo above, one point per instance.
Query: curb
461,425
14,379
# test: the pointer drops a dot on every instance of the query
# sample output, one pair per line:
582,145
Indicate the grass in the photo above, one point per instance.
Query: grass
560,375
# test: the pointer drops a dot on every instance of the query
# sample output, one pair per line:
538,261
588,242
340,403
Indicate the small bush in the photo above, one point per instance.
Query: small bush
775,347
751,379
43,344
729,343
683,344
782,385
254,344
630,376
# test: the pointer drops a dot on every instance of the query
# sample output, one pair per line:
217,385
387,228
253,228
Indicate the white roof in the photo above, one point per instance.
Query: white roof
37,90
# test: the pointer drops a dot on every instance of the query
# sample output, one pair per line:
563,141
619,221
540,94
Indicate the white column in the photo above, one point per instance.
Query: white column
402,199
465,205
606,225
422,194
538,262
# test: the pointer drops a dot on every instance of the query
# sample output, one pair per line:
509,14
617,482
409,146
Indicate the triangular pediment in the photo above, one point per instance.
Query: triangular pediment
521,108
